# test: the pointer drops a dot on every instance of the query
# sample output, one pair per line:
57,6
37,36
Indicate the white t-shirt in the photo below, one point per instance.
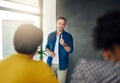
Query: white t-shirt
56,51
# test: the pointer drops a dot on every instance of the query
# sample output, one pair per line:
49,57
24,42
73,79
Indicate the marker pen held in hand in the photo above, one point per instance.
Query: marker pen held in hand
61,37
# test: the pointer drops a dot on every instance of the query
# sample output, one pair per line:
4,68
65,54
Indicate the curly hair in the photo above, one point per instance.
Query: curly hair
106,33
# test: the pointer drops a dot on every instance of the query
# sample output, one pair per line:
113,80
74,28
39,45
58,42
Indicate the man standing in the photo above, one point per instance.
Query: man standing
59,46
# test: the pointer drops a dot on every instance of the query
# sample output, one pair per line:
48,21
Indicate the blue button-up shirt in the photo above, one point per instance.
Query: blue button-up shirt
63,54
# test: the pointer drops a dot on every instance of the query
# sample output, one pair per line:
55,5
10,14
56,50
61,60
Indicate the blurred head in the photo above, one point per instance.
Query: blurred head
107,35
61,22
27,38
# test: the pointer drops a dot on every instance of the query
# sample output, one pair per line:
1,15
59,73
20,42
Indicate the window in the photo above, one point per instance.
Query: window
15,12
11,16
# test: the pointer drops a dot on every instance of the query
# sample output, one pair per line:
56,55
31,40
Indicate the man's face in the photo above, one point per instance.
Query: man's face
60,25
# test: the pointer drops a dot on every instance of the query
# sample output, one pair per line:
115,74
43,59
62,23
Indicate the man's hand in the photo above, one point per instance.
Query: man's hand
52,54
62,41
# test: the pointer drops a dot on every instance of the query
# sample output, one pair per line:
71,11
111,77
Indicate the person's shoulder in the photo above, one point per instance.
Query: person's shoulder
84,62
95,64
89,69
40,65
52,33
80,63
67,34
43,69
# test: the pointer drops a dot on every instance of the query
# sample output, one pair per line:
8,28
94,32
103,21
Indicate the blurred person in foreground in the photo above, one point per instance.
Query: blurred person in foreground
20,67
106,36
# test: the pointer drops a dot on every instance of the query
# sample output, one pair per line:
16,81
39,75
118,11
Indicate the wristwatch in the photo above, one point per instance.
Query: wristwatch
64,45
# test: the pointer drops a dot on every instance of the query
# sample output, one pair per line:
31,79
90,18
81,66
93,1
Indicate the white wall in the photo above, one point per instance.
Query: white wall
49,19
13,20
1,42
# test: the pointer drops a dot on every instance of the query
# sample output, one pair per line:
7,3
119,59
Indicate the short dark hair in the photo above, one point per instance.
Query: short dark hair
61,17
106,33
27,38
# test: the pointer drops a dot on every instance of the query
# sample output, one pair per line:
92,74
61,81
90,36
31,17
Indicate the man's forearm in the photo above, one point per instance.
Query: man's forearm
67,48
